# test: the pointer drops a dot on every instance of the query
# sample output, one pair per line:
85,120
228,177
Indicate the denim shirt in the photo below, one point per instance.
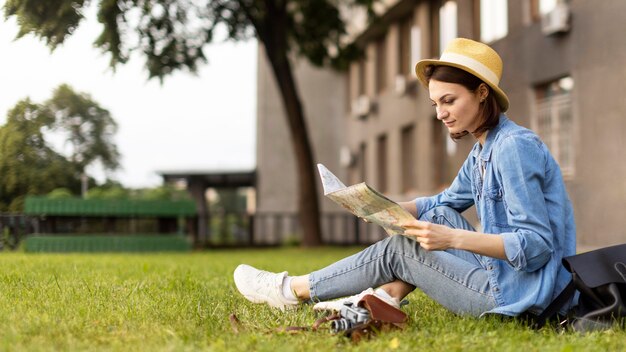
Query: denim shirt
519,193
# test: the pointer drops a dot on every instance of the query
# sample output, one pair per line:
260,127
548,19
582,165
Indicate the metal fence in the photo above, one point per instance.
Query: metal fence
226,229
338,228
13,228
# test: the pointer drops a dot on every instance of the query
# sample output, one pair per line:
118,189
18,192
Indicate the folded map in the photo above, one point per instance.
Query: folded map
365,202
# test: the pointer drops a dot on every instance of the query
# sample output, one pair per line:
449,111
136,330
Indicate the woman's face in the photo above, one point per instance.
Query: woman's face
456,106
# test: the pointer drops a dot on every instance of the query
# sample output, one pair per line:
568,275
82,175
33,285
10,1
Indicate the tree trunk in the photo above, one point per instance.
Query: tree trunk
308,203
271,30
84,184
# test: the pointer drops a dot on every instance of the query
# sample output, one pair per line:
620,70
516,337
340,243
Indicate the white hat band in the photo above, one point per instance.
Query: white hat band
475,65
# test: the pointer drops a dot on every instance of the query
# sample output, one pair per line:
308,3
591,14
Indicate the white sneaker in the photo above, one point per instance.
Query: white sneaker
337,304
259,286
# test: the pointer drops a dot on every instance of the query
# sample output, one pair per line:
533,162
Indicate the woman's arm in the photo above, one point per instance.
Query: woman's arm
457,196
440,237
410,207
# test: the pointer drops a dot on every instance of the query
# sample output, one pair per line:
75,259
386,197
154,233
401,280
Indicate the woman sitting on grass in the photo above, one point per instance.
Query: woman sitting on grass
511,267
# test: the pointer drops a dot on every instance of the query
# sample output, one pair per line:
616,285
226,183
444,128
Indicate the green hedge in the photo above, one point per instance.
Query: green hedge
106,243
107,207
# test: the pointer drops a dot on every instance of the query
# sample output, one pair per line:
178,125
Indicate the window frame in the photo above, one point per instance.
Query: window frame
554,120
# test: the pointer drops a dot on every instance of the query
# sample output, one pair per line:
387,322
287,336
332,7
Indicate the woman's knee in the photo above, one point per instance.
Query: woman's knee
400,244
444,215
434,213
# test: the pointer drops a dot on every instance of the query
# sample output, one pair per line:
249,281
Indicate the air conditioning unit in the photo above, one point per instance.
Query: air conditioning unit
404,85
346,157
400,85
557,20
361,107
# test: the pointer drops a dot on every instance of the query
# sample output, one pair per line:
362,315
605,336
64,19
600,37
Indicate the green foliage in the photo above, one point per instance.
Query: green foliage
230,200
228,228
60,193
112,192
27,164
172,34
105,243
182,302
165,192
90,128
7,240
34,16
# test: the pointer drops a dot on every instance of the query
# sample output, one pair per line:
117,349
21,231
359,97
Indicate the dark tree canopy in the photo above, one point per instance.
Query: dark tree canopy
171,34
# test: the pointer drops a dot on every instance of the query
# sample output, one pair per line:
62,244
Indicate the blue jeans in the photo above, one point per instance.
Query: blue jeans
454,278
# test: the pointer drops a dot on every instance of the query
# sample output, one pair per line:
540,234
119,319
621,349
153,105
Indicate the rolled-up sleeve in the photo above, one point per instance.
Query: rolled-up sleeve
458,196
522,168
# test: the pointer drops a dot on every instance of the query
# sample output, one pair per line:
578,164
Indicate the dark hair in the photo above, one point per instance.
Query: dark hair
489,110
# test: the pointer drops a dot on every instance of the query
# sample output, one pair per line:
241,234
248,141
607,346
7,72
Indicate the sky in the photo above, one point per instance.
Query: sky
197,122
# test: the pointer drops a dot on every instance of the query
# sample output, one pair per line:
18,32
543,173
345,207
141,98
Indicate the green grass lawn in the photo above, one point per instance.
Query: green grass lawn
182,302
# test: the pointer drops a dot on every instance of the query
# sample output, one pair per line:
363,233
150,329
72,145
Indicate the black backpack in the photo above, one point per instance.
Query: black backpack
600,278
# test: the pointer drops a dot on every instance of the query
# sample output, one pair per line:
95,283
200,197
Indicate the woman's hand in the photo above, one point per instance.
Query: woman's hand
434,237
431,236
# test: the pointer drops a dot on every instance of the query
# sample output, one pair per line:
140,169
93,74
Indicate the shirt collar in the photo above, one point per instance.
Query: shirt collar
484,152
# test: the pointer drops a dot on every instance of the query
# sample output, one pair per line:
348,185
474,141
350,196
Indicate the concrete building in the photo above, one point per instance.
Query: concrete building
564,71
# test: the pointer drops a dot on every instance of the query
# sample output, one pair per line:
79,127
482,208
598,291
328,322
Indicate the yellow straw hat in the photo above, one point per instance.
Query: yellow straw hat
473,57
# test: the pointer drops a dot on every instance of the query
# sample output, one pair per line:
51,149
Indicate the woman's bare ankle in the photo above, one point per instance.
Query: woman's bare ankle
398,289
300,286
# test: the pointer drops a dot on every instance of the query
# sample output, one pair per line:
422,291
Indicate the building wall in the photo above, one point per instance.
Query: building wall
593,53
433,166
323,98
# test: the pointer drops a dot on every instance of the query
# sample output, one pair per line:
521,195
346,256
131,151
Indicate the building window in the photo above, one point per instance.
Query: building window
493,20
381,157
404,47
408,158
349,90
362,77
447,24
554,122
362,162
359,174
381,65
